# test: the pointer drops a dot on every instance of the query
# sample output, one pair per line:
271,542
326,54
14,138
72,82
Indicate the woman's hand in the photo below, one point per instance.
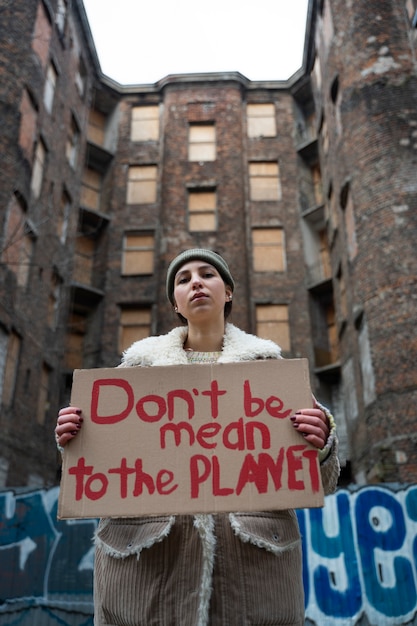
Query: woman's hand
313,425
68,425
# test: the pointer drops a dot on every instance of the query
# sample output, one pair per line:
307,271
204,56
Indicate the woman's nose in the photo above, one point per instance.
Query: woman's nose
196,280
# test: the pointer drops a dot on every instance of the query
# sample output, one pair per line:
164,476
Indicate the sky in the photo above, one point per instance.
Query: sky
142,41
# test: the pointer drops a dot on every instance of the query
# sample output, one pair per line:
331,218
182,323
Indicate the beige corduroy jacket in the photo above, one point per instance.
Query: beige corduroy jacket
236,569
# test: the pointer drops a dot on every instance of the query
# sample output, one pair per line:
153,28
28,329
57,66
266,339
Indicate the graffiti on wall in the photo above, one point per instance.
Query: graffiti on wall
44,562
360,557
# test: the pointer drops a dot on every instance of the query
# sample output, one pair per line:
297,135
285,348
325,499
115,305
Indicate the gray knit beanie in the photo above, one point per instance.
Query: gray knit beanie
201,254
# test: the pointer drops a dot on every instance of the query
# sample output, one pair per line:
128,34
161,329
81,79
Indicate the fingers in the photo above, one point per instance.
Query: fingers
68,424
313,425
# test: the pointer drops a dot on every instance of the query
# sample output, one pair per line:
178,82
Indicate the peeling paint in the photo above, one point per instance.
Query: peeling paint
381,66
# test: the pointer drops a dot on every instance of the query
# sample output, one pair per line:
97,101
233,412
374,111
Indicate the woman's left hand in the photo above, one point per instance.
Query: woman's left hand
313,425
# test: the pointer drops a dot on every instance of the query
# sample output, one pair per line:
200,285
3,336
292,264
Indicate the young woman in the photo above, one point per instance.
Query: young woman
232,569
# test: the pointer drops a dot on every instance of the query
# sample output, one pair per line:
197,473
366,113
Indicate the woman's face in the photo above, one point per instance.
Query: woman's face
199,291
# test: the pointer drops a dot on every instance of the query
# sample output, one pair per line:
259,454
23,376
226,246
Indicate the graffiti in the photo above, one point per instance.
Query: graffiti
360,559
44,563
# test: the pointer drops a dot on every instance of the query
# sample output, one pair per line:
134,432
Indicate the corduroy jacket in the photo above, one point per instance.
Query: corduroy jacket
236,569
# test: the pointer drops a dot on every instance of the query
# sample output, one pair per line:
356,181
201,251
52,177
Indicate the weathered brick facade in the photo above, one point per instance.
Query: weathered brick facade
345,131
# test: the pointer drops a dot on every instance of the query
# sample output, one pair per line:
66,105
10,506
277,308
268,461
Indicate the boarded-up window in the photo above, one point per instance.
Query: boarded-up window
90,189
138,253
135,324
268,250
43,394
202,142
27,130
261,120
141,185
49,89
272,323
202,211
38,168
41,36
84,259
317,184
324,253
11,369
264,181
145,123
18,243
74,348
96,127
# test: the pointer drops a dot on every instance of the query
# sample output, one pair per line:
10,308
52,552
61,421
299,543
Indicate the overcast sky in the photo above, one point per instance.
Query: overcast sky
142,41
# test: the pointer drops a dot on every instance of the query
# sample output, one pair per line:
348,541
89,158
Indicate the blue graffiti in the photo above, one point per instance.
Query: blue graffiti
359,559
43,562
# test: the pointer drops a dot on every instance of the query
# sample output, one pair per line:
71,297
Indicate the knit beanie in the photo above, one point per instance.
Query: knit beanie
200,254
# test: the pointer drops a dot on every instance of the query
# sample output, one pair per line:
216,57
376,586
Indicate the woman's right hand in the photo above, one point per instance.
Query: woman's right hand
68,424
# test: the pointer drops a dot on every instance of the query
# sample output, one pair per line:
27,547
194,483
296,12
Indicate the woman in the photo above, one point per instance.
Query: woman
226,569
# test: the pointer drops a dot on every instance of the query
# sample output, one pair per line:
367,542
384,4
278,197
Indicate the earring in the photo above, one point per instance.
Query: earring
176,309
230,297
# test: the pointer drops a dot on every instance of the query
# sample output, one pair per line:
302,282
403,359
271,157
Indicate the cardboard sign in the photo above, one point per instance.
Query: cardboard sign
190,439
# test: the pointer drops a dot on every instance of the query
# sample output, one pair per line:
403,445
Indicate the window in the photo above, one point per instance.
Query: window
268,250
43,397
332,209
264,181
324,132
74,348
261,120
272,323
141,185
317,184
28,120
49,89
202,142
135,324
19,243
81,77
202,211
41,36
138,253
347,206
38,168
60,15
10,368
73,142
85,248
96,127
91,189
53,301
63,217
343,311
325,268
145,123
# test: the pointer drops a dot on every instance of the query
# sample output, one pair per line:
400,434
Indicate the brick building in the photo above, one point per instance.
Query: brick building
306,186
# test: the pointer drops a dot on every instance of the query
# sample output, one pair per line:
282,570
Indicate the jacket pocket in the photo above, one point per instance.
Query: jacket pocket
125,537
275,531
